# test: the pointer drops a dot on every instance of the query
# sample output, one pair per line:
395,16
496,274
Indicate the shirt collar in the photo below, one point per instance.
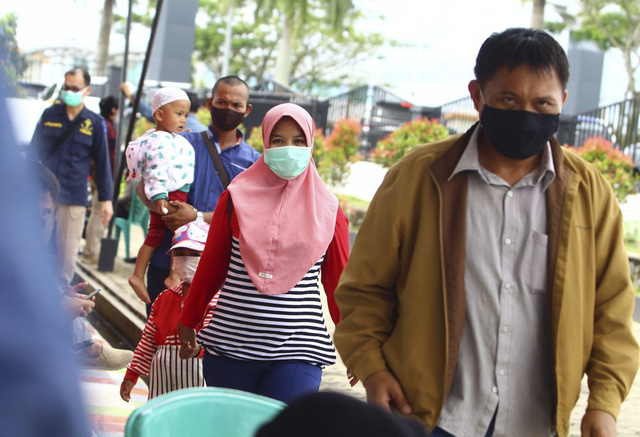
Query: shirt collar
469,161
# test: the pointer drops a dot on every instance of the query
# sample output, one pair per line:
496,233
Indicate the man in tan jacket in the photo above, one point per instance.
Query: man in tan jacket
490,272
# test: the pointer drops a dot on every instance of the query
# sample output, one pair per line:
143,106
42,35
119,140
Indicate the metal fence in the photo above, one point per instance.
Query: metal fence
458,115
617,123
379,111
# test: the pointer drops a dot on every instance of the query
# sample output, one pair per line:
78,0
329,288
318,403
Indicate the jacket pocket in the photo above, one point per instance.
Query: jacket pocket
537,262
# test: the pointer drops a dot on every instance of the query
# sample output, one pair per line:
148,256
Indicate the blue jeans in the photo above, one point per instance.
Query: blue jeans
281,380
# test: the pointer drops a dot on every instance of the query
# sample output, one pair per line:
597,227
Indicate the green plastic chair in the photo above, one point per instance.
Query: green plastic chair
138,215
202,412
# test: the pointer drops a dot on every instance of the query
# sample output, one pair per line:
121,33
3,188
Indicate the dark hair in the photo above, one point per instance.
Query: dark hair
47,181
85,74
195,101
231,81
517,46
106,106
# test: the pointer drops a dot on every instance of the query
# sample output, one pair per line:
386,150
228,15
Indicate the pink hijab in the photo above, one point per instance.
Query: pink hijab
285,225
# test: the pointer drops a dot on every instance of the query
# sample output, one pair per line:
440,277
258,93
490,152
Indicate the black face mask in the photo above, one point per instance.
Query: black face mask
226,119
518,134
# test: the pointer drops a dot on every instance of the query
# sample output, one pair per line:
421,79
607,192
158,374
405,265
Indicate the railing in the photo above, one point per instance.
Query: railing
458,115
617,123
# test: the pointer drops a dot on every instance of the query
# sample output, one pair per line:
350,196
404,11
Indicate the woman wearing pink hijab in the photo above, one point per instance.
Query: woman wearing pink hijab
272,233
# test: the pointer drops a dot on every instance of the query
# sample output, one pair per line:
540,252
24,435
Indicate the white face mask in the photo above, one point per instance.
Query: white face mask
185,267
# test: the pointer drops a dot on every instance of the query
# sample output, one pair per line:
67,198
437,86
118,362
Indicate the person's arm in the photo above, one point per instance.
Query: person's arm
613,362
145,350
334,262
34,152
212,269
104,180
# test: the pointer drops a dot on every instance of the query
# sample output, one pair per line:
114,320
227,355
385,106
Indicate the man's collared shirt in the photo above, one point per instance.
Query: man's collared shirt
70,162
207,187
504,365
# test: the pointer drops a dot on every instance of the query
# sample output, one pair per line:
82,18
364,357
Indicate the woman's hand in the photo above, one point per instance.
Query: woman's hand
188,346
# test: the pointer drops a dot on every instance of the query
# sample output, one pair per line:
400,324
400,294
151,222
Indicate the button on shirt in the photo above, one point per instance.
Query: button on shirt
206,187
70,162
504,365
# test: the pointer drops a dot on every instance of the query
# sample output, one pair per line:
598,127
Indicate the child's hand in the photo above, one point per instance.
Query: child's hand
125,390
161,206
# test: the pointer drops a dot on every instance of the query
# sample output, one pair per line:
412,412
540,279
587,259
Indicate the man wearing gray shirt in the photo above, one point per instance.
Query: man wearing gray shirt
490,272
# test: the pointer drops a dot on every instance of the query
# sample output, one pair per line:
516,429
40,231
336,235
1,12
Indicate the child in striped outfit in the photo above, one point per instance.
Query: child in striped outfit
157,352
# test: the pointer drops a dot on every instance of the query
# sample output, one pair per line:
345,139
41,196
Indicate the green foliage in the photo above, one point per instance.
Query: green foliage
615,166
321,58
332,155
12,62
354,208
204,116
614,24
390,149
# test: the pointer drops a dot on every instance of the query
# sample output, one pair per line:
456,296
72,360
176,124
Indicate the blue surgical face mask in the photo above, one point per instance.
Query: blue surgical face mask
287,161
72,98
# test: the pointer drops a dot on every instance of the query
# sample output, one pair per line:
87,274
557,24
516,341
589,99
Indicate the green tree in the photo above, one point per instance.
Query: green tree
614,24
12,62
294,15
102,48
320,58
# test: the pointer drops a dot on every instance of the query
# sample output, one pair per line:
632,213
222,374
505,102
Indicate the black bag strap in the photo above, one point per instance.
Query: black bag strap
63,137
217,162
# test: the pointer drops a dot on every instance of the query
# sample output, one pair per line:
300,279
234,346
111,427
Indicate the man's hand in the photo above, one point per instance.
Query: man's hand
188,346
106,212
384,390
184,214
597,423
78,306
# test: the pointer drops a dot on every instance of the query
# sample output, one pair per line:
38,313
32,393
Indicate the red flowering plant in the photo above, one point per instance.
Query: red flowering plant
615,166
339,151
394,146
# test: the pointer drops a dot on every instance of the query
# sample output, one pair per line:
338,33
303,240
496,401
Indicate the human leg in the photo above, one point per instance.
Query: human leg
229,373
69,223
290,379
136,280
155,283
94,231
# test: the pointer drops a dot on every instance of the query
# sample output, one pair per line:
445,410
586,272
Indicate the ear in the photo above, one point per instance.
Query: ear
476,95
87,91
564,97
248,111
157,116
208,104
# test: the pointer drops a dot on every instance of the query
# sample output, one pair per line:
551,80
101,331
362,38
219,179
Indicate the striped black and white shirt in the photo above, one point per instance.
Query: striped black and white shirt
247,325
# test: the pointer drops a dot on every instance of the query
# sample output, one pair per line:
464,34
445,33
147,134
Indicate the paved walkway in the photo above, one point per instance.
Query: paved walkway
108,412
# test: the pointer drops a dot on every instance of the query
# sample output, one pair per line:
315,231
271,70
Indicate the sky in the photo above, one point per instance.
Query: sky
440,39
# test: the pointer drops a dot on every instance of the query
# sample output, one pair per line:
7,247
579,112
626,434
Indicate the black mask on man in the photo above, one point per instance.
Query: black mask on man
518,134
226,119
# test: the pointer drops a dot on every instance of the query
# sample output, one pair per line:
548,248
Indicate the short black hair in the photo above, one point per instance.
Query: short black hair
195,101
47,181
517,46
231,81
85,74
106,106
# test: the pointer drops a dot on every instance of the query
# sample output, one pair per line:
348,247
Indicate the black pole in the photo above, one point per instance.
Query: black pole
109,245
136,103
121,101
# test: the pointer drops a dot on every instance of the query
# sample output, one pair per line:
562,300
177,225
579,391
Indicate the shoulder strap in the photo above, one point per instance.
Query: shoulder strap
217,162
63,137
